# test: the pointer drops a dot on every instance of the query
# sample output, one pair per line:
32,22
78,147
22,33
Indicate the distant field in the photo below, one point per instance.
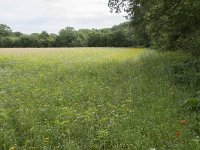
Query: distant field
89,98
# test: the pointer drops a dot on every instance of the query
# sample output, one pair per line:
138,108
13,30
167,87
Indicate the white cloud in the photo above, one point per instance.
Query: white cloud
51,15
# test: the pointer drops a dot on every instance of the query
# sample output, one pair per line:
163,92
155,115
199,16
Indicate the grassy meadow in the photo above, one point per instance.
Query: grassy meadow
93,99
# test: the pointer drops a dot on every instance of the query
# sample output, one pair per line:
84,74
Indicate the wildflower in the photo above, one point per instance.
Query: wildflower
183,121
178,134
12,148
46,140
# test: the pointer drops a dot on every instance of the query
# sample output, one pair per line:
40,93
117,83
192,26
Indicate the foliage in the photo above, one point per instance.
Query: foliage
66,37
117,36
186,73
5,30
167,24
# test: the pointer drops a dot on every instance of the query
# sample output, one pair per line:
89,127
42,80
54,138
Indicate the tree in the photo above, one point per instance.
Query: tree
25,41
5,30
82,40
94,38
120,36
52,40
44,39
18,34
66,37
7,42
162,22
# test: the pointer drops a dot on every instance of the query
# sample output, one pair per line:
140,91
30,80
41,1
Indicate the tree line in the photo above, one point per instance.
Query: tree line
118,36
164,24
160,24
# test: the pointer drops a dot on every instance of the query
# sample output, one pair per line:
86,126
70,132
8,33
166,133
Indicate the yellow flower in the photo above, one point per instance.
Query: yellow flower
12,148
46,140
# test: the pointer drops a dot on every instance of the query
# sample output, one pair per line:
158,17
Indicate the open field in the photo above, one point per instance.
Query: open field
90,99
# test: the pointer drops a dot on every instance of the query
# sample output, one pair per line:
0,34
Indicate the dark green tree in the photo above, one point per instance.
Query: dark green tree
5,30
66,37
165,24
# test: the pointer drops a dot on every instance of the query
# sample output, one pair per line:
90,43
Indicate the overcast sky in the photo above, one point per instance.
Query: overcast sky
30,16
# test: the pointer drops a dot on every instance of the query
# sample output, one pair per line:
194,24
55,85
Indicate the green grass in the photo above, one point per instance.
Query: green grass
92,99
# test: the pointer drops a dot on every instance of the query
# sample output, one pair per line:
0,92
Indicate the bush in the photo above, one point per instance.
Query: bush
189,43
186,74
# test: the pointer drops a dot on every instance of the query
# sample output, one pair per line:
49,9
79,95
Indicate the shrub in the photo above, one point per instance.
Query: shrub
189,43
186,74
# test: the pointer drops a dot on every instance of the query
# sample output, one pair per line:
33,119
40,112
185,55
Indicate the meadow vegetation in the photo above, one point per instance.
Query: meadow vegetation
98,98
105,98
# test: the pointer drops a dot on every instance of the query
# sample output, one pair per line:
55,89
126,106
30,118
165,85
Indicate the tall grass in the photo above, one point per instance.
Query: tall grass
92,99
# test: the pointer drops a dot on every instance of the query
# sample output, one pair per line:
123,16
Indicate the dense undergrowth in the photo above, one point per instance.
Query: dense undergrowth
182,70
99,99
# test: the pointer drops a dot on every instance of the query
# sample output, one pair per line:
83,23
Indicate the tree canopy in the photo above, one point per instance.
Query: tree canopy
5,30
118,36
164,24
